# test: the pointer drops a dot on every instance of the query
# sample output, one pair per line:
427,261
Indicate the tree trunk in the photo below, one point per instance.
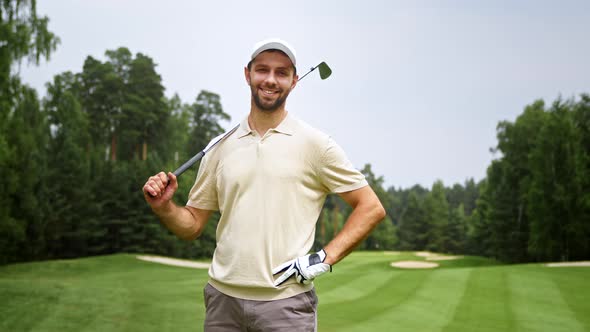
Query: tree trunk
114,147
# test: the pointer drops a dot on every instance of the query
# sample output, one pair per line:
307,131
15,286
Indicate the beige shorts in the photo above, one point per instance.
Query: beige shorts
226,313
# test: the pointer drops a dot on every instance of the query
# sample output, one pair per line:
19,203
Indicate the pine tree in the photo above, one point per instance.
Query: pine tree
437,215
413,228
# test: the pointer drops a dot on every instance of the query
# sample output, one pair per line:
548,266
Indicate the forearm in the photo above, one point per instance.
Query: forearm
180,221
360,223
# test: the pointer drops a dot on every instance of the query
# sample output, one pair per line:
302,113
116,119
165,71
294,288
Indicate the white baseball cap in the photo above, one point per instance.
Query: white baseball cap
274,44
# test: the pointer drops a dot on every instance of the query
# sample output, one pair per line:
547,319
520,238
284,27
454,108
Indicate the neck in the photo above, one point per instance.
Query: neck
262,121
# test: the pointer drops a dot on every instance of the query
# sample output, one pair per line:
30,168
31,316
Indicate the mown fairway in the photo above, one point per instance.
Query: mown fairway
120,293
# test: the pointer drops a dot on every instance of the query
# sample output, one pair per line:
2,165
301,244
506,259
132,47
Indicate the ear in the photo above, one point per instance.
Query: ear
247,75
294,83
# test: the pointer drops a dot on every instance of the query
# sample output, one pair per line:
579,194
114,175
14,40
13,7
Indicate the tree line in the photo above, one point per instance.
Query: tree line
73,163
533,205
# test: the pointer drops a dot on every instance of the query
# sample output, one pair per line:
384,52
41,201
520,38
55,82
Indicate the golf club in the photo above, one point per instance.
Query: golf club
325,72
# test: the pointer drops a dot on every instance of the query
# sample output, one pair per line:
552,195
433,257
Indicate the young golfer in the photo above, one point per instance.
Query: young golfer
269,180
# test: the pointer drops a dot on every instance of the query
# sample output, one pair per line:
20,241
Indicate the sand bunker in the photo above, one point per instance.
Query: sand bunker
424,254
174,262
391,253
414,265
431,256
569,264
442,258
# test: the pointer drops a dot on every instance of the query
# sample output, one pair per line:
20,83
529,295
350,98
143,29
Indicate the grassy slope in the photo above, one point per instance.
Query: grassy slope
120,293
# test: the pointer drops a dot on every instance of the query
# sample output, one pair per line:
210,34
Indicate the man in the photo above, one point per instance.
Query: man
269,180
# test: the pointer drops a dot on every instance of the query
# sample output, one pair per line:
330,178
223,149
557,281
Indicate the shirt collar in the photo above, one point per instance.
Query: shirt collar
287,127
244,129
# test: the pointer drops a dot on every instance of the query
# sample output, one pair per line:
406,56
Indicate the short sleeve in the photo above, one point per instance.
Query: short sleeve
336,172
203,194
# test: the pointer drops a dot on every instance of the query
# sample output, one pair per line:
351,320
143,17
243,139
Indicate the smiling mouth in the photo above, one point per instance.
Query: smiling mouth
269,93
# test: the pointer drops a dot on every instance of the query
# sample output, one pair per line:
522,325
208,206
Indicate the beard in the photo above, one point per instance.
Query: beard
266,107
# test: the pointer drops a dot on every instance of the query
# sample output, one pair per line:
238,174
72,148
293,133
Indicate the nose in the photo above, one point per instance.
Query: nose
271,78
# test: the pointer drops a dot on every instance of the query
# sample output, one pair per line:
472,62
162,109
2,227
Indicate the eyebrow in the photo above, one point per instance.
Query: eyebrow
257,65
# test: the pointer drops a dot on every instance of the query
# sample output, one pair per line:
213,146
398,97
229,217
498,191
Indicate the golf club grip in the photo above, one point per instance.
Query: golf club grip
186,165
189,163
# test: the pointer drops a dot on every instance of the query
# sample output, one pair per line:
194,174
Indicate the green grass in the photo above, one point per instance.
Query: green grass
120,293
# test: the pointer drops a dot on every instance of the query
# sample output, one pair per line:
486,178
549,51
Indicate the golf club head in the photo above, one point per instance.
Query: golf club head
325,70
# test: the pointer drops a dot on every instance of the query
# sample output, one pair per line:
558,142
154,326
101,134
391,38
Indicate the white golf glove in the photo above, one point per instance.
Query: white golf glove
305,268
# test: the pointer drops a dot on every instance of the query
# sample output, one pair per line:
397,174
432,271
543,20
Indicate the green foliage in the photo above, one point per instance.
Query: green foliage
437,217
22,35
413,225
383,237
534,205
456,231
75,167
26,170
465,195
206,113
22,136
558,228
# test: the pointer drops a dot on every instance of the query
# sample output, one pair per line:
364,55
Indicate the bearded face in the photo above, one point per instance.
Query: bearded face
271,78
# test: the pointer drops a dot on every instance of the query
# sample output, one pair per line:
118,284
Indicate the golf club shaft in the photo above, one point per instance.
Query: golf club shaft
200,155
189,163
312,69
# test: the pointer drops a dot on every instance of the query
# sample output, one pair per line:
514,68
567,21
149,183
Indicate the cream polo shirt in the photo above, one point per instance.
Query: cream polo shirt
270,191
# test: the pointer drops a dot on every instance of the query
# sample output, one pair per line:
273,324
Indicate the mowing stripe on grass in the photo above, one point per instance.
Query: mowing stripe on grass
429,308
573,286
349,272
484,305
361,312
24,304
537,302
355,288
115,293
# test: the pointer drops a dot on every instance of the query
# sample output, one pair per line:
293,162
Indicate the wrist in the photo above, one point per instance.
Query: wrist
164,210
328,259
324,257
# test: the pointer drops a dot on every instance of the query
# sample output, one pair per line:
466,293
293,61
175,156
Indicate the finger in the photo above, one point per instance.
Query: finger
154,184
157,185
306,281
282,267
299,272
157,182
163,179
172,181
148,190
301,279
284,277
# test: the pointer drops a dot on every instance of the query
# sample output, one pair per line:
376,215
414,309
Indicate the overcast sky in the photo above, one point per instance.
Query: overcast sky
417,88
